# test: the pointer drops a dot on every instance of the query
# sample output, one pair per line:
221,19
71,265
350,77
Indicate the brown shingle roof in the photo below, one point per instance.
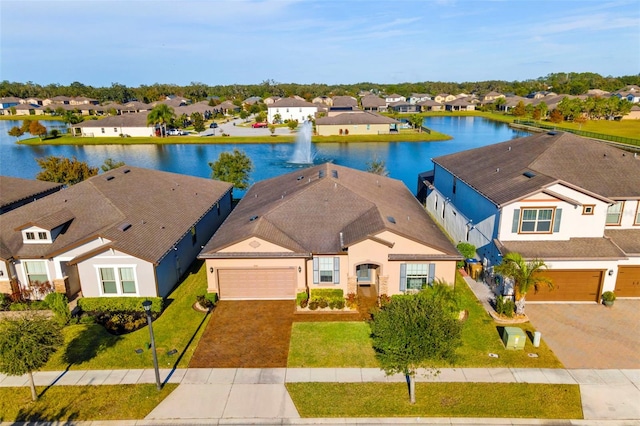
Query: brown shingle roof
304,212
292,102
371,101
161,207
627,239
496,171
572,249
137,119
13,190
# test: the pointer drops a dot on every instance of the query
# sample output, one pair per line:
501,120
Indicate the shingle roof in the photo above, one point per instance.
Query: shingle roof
341,101
306,213
627,239
496,171
161,207
370,101
572,249
13,190
363,117
292,102
137,119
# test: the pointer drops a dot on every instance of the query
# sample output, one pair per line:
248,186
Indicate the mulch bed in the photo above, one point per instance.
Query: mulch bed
256,334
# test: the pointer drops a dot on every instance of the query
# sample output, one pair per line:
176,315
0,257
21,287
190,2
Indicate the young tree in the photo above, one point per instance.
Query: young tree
16,131
110,164
377,167
161,115
64,170
524,275
233,168
26,344
519,110
292,124
556,116
414,331
198,122
416,122
37,129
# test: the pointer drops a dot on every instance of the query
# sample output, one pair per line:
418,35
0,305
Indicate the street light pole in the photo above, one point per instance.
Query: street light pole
147,307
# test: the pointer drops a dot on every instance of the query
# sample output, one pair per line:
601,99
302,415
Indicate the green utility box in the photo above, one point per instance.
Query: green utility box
514,338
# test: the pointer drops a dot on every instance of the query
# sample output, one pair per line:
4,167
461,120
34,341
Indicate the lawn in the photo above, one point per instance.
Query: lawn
179,327
81,403
347,344
507,400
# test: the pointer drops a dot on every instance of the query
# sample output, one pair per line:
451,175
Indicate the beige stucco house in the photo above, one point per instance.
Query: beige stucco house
356,123
326,226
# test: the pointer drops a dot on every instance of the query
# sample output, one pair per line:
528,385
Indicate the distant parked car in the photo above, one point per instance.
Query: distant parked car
176,132
213,125
259,125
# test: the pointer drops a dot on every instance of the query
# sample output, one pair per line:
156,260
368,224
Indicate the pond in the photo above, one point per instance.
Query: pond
404,160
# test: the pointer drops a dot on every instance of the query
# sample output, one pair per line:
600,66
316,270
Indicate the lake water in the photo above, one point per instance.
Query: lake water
404,160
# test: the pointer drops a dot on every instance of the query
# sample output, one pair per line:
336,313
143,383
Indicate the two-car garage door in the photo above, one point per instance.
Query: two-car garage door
569,285
257,283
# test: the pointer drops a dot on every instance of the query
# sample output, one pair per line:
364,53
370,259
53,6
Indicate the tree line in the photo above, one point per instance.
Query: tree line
564,83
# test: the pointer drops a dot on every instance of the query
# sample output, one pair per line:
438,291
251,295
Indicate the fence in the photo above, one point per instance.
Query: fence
593,135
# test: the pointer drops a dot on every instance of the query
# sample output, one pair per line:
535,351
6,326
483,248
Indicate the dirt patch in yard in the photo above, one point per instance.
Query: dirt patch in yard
255,334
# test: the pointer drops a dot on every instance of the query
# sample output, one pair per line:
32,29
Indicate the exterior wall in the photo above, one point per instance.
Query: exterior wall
633,115
112,131
90,281
628,220
353,129
213,265
344,274
292,113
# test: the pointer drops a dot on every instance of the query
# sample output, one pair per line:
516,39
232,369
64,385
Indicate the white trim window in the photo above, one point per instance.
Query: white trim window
117,280
325,269
36,271
536,220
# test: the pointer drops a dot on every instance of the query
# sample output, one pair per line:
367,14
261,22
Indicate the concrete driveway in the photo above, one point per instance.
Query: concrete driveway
590,335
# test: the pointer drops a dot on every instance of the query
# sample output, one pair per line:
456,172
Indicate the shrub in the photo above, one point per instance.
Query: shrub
336,303
59,304
327,292
323,303
352,300
313,305
302,299
119,304
505,306
383,300
467,250
5,302
35,305
608,296
205,302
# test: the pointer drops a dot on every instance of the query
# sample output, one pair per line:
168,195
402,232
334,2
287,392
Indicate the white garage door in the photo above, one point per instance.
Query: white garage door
258,283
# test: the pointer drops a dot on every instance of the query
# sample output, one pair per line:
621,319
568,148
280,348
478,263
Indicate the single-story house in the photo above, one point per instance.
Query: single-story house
430,105
373,103
634,113
326,226
356,123
404,107
127,232
134,124
460,104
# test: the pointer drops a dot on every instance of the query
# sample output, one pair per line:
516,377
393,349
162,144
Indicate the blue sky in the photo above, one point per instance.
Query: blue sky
305,41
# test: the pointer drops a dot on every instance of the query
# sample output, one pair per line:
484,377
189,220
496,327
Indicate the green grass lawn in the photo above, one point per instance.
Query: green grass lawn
515,400
81,403
347,344
179,327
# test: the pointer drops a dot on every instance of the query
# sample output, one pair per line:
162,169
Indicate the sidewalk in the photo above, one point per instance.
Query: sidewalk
258,396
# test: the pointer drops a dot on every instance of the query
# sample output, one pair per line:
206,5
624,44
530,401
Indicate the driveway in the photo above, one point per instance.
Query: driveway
253,333
590,335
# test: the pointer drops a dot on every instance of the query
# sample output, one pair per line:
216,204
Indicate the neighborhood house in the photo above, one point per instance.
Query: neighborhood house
326,226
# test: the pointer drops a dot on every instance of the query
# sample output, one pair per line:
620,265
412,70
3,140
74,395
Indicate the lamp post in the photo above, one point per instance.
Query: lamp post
147,308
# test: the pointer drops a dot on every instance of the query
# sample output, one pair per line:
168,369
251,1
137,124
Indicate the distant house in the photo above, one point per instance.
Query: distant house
325,100
344,102
444,97
227,108
403,107
394,97
117,125
416,98
634,113
8,102
57,100
16,192
460,104
326,226
26,109
568,200
491,96
83,100
127,232
355,123
291,109
135,107
271,99
373,103
431,105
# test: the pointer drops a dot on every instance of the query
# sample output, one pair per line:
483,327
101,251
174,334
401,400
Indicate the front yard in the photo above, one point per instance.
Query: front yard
347,344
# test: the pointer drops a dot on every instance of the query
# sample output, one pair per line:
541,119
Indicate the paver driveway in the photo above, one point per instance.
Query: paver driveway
590,335
253,334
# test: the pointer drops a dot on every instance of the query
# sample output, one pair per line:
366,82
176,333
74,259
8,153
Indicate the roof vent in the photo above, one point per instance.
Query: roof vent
498,169
391,219
334,173
124,226
509,148
529,174
321,174
552,133
300,177
110,177
252,218
125,171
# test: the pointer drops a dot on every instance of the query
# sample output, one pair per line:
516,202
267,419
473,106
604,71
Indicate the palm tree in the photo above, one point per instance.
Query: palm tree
525,274
161,114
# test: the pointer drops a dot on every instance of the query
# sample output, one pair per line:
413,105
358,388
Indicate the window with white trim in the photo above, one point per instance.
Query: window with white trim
536,220
30,235
417,276
117,280
614,213
325,268
36,271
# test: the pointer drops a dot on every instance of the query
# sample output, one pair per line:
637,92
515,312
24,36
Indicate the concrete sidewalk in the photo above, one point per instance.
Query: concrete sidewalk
259,395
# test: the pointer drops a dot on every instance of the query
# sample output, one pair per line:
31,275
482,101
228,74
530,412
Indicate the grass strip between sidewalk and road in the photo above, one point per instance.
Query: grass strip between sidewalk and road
505,400
81,403
91,347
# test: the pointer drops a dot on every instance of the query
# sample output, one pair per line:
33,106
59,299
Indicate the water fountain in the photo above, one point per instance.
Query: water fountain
303,152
